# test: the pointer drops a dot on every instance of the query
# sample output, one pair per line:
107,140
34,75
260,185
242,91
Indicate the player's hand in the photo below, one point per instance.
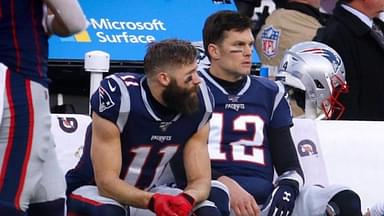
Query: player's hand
242,202
160,205
170,205
282,200
182,204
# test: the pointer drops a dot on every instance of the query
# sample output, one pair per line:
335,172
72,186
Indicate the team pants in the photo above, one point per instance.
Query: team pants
29,169
313,200
86,201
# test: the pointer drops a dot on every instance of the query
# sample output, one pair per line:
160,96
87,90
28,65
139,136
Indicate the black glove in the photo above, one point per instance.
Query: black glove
282,200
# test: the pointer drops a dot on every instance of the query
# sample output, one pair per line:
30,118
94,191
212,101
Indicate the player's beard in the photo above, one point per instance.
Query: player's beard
180,99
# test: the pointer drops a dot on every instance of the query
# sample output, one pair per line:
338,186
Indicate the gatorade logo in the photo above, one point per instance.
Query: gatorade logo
68,124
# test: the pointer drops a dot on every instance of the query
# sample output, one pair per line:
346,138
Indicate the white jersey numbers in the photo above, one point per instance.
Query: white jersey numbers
144,153
130,80
247,150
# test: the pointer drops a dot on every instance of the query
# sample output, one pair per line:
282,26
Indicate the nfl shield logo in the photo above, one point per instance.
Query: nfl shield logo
270,41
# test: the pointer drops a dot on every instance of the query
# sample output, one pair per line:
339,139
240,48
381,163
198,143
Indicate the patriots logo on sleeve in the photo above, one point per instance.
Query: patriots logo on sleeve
105,100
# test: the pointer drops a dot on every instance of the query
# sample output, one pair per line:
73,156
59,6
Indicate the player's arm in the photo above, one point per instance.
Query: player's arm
283,151
242,202
107,162
284,157
197,165
65,17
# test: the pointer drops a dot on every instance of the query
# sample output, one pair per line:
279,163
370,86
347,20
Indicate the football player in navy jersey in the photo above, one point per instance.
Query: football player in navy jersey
250,135
31,180
139,122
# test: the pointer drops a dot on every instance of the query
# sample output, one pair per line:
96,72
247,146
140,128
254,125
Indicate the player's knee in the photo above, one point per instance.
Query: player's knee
346,203
207,211
220,196
49,208
78,207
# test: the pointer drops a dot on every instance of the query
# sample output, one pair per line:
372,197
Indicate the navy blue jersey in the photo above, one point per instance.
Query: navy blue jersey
238,140
23,42
149,139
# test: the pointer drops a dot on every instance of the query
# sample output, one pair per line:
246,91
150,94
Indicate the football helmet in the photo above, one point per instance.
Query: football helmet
318,70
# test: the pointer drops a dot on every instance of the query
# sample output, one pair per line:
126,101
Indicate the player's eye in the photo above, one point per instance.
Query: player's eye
188,78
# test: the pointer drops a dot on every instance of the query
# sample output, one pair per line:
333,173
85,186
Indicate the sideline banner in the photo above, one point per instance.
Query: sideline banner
348,153
308,148
353,155
123,28
68,132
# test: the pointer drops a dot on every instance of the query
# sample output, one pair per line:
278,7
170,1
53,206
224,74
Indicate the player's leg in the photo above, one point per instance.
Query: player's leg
259,188
86,201
49,208
345,203
10,210
205,208
49,196
19,161
314,200
220,196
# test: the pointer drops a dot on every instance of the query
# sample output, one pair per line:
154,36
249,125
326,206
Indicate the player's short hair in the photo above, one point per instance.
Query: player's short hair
169,52
218,23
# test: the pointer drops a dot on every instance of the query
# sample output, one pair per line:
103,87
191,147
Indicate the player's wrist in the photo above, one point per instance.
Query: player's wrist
290,183
189,198
151,203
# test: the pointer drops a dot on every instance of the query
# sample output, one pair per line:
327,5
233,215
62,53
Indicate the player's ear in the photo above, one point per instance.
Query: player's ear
163,78
213,51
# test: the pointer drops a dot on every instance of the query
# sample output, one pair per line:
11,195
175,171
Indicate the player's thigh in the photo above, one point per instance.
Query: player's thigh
87,201
52,184
49,194
313,199
259,188
25,140
219,195
44,181
165,189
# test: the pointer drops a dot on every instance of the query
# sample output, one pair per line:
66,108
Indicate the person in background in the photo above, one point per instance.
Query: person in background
297,21
327,6
250,134
30,178
354,32
247,7
139,123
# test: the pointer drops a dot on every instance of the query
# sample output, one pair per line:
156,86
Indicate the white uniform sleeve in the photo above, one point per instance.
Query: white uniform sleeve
69,12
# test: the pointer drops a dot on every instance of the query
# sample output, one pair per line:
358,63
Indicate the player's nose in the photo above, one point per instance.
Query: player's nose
196,79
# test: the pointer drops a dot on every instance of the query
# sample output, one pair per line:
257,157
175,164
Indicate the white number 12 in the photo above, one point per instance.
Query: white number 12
238,149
